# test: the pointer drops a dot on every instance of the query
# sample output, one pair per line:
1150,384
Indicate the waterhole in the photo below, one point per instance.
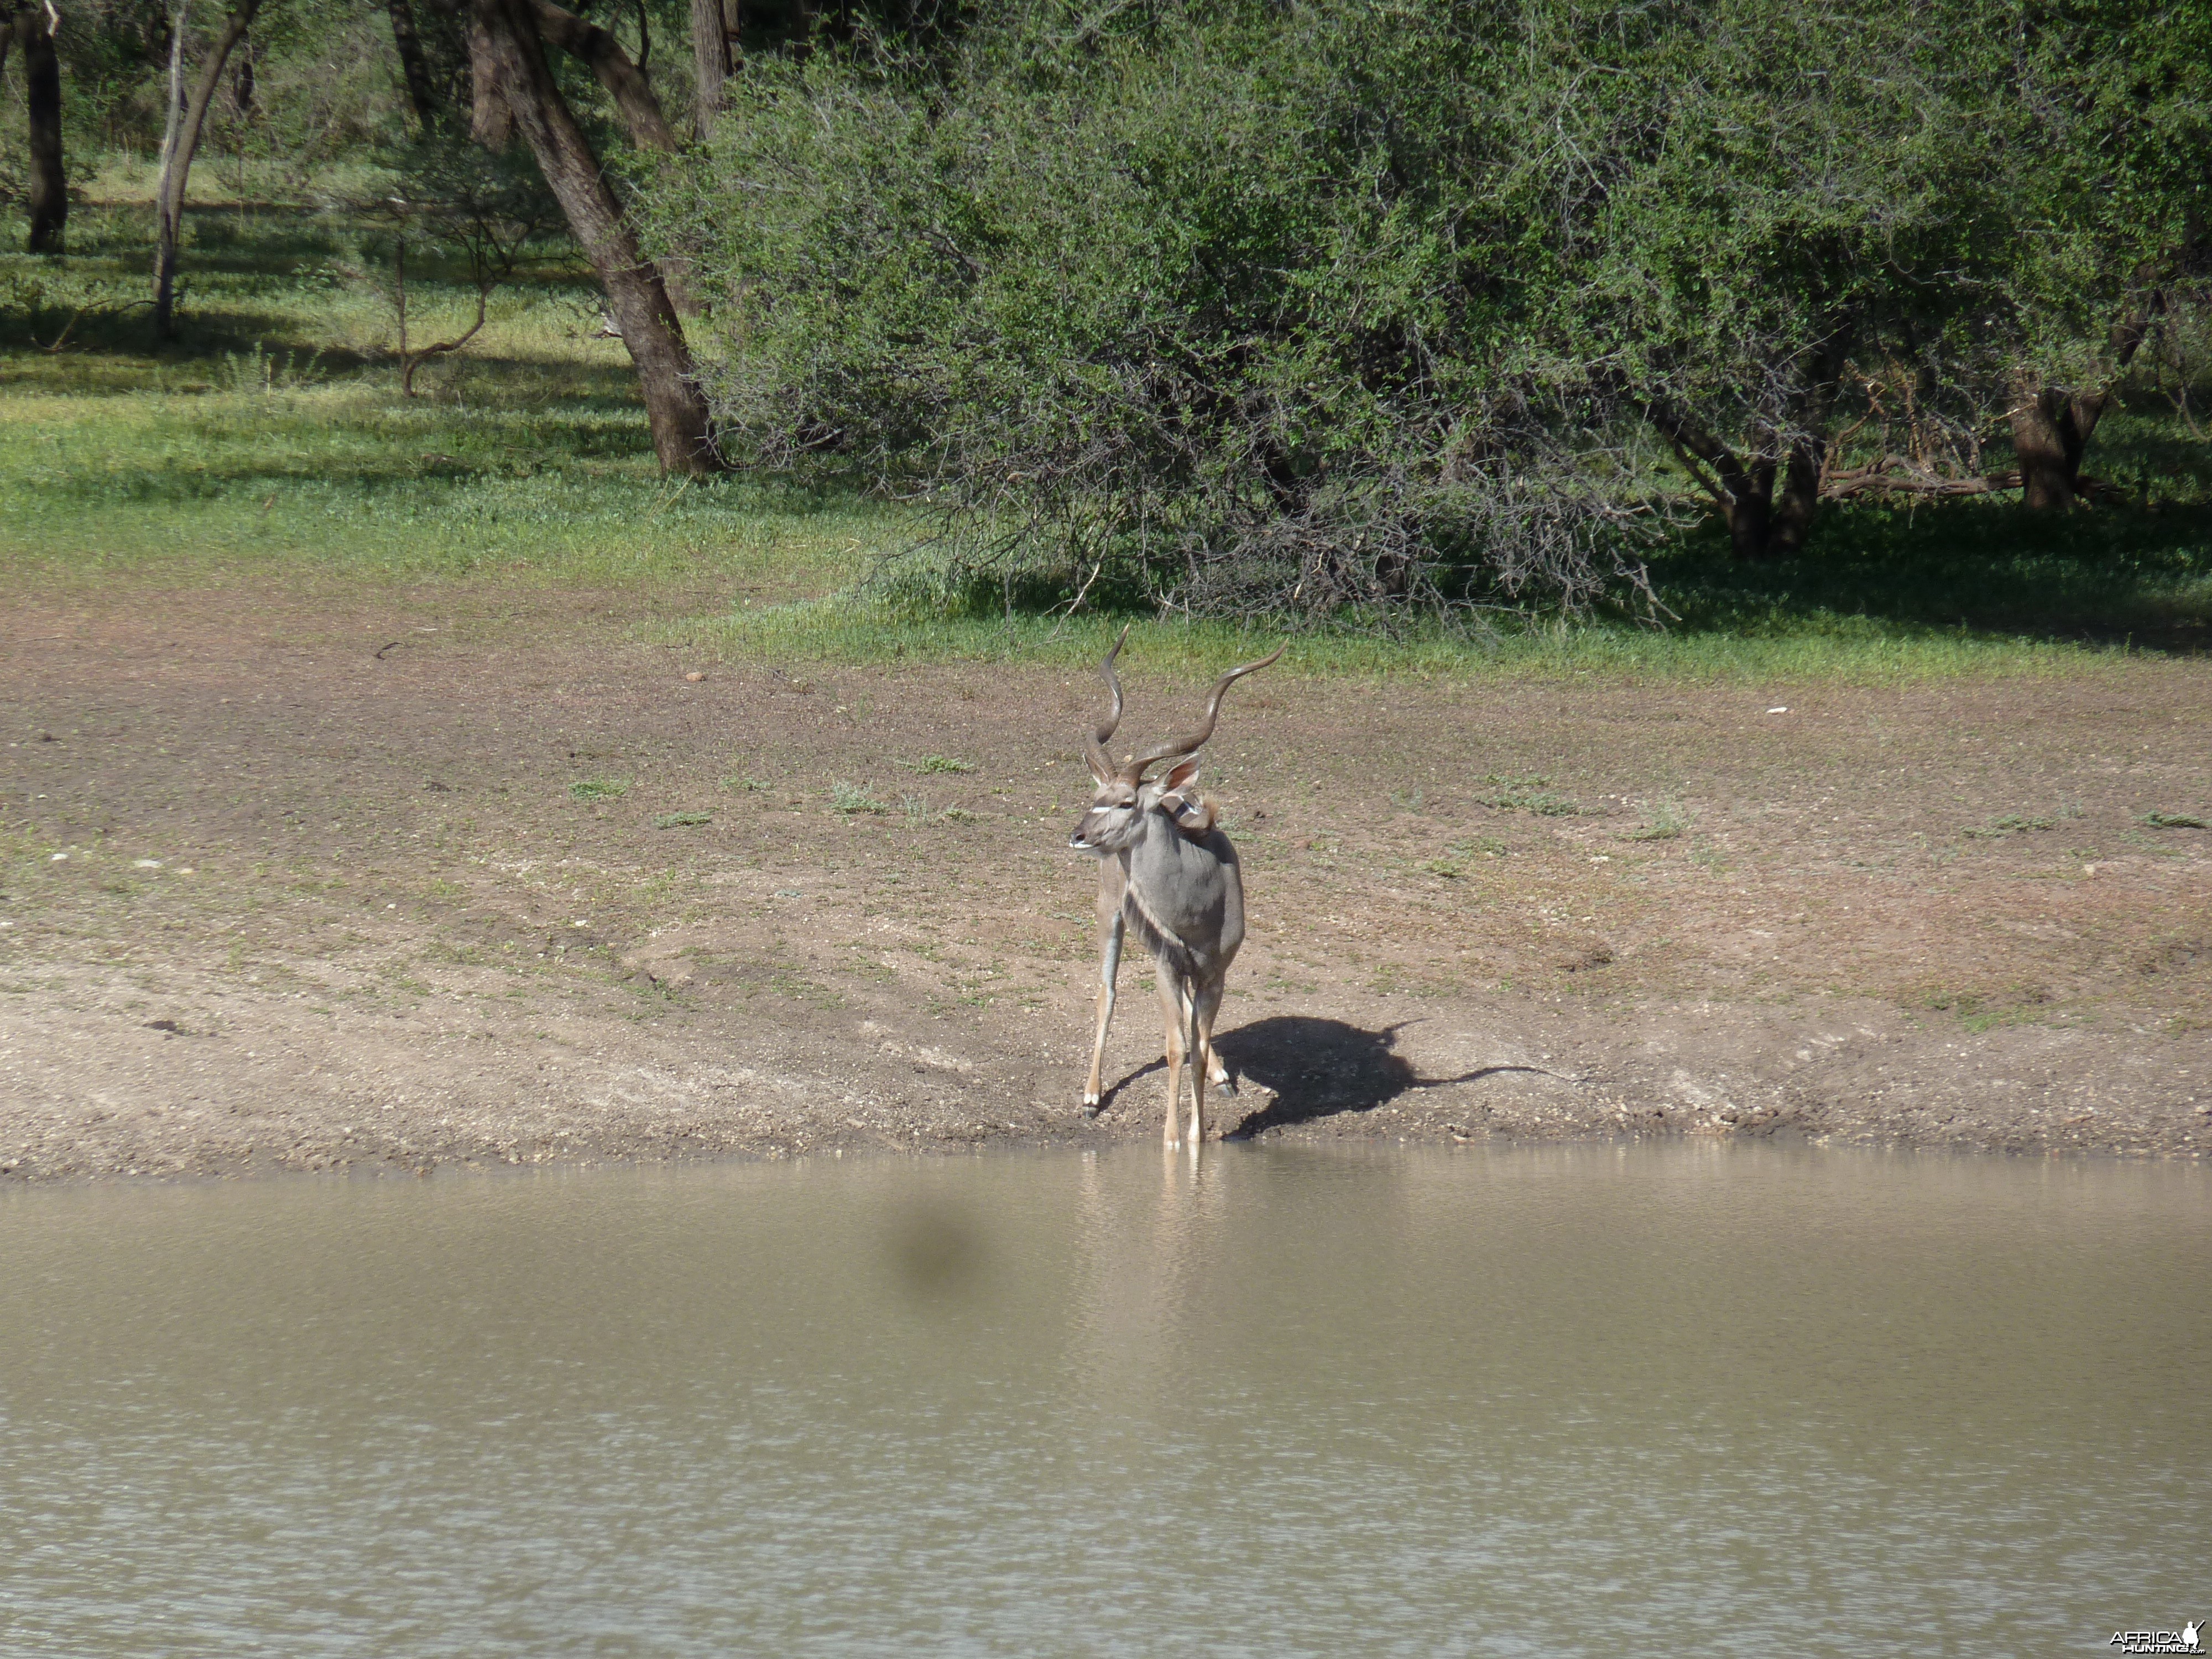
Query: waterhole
1661,1399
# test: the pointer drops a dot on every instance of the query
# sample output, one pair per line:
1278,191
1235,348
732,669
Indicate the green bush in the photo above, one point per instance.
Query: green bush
1200,309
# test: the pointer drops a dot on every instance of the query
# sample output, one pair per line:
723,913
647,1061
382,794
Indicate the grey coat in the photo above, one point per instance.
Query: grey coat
1185,897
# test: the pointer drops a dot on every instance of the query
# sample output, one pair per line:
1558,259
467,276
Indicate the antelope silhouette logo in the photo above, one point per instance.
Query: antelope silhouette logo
2188,1639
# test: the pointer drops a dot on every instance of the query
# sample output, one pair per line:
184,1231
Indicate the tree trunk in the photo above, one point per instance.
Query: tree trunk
177,156
710,54
413,63
514,54
634,101
1759,526
42,99
1800,497
2051,426
1743,492
172,121
491,120
2048,446
1750,510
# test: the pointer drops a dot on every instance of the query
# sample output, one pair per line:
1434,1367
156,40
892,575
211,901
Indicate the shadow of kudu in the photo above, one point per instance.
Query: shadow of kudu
1321,1068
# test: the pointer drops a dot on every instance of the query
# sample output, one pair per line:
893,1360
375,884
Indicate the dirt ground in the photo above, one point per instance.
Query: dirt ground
297,883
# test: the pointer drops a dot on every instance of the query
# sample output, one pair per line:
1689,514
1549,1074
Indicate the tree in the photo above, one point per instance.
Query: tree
2105,131
516,92
2051,425
634,100
637,105
1247,307
1737,206
180,142
414,62
713,25
1974,209
460,200
32,28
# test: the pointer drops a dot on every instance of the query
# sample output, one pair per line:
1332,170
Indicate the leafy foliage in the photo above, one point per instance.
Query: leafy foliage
1207,313
1336,311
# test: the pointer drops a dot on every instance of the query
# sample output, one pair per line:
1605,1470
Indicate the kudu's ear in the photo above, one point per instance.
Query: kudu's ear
1192,813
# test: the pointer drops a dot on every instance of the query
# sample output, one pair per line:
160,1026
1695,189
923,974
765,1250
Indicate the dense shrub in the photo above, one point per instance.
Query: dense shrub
1221,312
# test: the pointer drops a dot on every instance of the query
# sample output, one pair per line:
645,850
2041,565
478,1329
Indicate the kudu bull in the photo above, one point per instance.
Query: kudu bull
1166,870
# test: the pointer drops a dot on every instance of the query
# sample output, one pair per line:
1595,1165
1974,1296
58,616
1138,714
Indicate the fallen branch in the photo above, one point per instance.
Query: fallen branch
1892,475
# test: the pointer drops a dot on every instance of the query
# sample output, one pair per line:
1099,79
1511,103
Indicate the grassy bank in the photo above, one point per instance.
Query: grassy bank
271,441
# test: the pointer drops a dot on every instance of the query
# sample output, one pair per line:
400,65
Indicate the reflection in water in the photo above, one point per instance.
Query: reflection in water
1270,1401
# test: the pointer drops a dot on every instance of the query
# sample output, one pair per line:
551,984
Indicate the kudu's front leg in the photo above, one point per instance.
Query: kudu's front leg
1110,963
1216,1074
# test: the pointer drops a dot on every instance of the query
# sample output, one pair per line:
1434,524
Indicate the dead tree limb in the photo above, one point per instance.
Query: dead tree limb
411,361
1893,475
642,117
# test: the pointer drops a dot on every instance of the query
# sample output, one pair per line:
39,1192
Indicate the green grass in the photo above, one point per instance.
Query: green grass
1524,794
841,630
1668,822
271,437
270,442
2016,824
2095,604
854,798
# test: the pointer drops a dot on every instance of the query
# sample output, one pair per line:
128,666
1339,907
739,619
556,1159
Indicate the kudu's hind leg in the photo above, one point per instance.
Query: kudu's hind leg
1110,963
1216,1074
1172,1013
1196,1046
1205,1006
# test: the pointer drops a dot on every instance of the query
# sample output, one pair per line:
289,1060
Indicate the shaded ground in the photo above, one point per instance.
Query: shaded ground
328,896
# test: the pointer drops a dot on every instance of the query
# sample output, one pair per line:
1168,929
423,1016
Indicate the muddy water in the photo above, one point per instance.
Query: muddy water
1650,1400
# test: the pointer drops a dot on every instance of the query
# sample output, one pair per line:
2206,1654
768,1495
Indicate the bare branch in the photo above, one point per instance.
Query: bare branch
625,82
